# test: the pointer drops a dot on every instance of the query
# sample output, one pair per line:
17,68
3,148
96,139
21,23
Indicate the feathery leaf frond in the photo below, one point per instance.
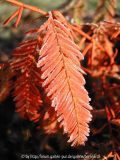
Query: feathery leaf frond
28,80
63,83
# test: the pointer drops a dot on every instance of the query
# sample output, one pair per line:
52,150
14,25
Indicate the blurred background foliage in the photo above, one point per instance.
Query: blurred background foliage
91,5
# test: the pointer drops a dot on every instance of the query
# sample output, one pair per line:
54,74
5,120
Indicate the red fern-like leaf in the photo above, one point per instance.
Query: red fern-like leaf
63,83
26,93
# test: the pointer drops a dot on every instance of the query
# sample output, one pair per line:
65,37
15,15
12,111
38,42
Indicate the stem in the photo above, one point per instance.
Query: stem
33,8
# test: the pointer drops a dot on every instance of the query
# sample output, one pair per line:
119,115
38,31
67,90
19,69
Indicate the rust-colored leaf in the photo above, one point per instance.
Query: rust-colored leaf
63,82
